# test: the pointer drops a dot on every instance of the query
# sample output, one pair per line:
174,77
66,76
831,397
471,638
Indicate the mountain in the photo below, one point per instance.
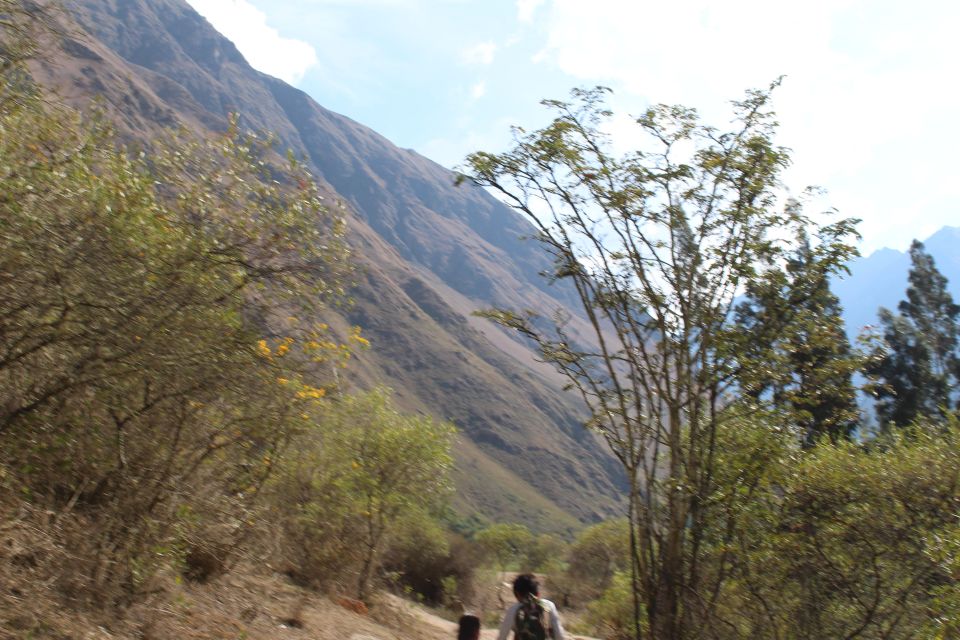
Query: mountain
431,254
880,279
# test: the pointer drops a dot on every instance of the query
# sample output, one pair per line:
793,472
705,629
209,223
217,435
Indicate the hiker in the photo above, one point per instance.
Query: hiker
532,617
469,628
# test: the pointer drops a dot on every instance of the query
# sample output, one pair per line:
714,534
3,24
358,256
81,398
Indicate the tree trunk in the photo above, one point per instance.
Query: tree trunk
374,533
665,620
363,582
634,555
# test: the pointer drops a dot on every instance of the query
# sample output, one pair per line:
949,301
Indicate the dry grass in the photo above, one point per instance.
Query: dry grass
39,579
251,603
42,581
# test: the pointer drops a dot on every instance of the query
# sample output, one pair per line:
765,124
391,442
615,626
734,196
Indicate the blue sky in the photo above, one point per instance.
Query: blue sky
870,105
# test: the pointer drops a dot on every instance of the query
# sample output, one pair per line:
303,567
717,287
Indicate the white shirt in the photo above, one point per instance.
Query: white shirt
553,620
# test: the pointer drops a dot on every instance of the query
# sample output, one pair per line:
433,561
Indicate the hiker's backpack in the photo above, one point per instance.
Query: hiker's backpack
531,620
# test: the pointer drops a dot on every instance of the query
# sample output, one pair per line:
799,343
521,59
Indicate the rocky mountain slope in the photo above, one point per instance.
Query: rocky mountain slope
431,252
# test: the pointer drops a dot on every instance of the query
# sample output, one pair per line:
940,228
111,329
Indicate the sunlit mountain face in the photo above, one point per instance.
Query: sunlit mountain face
432,253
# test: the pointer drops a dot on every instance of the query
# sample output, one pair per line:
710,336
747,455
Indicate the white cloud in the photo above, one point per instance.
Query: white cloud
262,45
526,9
867,104
478,90
482,53
472,135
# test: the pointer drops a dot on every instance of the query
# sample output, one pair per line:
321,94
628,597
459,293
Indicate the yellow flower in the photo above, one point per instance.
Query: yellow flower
263,348
311,392
282,380
359,339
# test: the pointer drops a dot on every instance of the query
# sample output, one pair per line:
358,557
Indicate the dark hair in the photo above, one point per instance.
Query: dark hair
526,584
469,627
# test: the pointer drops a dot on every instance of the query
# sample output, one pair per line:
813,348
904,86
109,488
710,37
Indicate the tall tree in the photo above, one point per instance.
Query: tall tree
918,367
658,243
792,319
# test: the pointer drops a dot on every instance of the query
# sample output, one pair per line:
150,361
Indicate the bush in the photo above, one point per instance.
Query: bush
436,565
350,482
848,540
138,396
504,544
612,614
594,557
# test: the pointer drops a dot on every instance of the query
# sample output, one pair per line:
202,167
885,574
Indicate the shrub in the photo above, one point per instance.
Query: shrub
138,396
352,480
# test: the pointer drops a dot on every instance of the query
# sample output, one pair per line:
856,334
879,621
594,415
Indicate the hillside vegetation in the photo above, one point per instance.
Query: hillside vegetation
170,404
429,253
723,380
184,451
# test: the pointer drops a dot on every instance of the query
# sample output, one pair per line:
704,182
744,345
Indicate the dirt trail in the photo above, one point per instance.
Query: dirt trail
429,620
246,603
445,628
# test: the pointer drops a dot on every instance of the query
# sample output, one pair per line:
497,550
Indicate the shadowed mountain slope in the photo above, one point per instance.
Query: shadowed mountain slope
432,253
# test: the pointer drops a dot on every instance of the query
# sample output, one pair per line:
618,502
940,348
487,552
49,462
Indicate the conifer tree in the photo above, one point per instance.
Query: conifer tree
918,369
792,322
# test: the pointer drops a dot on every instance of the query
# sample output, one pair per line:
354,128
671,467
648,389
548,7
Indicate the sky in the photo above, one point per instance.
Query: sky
870,103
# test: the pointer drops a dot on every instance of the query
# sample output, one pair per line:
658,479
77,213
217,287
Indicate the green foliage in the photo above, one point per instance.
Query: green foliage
597,553
943,549
135,286
917,369
365,468
611,615
844,541
841,540
658,244
545,554
414,552
506,544
436,565
792,345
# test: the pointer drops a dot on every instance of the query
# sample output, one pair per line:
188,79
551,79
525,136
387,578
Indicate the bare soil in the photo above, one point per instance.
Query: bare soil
240,605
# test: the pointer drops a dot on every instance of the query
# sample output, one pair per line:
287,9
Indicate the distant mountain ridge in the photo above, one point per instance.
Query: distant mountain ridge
431,253
880,279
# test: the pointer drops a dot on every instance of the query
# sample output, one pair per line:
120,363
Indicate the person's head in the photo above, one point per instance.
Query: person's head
526,585
469,628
